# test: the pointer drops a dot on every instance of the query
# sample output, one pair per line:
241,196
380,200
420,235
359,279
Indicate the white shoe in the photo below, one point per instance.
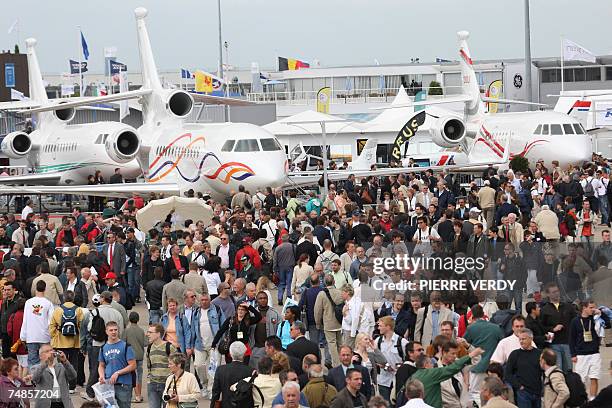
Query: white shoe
86,397
71,392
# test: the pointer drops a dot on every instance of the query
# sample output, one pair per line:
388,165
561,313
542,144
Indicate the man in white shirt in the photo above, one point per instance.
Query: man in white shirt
392,347
20,235
224,251
37,315
602,197
27,210
510,343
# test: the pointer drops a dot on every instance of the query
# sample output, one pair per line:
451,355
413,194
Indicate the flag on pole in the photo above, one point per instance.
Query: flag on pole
323,99
116,67
575,52
186,74
124,108
203,82
290,64
85,48
74,67
13,26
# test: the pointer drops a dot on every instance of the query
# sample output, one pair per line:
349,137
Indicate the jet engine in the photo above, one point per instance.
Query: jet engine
179,103
65,115
16,145
448,131
123,146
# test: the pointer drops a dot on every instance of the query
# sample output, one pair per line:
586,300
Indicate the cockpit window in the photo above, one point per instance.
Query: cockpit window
269,145
578,128
545,129
568,129
228,146
555,129
538,130
247,145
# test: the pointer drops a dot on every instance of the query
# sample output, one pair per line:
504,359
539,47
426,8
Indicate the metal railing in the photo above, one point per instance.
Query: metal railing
344,96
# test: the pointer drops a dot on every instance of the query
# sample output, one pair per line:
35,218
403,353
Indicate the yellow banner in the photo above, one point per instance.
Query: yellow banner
203,82
495,92
323,99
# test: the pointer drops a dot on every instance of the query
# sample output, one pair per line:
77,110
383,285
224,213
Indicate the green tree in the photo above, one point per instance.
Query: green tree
519,163
16,48
435,88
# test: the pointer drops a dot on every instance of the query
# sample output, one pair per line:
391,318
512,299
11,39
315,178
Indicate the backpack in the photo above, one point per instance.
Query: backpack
505,324
398,345
69,323
242,396
337,308
589,191
149,353
133,373
98,327
578,394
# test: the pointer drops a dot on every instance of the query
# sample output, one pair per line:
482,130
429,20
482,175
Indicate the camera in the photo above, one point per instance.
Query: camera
166,397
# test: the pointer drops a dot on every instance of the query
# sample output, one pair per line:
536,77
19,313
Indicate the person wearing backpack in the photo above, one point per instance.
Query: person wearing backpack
228,375
328,300
556,392
102,314
64,329
392,347
157,355
134,335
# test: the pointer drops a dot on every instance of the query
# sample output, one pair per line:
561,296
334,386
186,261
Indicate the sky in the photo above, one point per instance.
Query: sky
336,33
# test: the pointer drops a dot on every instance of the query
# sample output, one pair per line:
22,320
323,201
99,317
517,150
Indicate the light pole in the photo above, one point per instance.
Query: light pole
527,54
224,87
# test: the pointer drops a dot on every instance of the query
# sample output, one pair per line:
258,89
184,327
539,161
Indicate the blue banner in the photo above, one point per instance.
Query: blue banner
116,67
9,75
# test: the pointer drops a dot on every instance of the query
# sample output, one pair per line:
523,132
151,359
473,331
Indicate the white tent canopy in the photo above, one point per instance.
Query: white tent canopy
182,209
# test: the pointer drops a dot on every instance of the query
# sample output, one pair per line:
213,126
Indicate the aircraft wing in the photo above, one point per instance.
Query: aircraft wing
18,105
512,102
449,99
101,190
77,102
50,178
220,100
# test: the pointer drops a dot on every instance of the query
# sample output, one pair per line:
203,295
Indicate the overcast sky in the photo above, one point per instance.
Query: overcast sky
348,32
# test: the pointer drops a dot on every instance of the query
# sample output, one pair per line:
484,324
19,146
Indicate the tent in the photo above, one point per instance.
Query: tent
182,209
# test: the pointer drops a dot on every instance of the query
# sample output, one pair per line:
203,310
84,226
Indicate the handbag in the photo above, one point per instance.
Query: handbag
226,340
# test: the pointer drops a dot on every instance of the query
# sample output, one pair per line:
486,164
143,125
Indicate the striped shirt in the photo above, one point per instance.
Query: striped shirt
158,363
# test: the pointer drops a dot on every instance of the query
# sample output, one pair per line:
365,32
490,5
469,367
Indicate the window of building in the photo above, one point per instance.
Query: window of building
593,74
247,145
551,75
608,73
568,129
228,146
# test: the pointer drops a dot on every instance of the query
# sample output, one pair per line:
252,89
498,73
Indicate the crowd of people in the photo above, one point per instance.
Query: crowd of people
277,301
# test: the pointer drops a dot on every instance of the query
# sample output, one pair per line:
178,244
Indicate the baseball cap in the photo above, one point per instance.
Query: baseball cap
96,299
110,275
475,209
130,229
244,258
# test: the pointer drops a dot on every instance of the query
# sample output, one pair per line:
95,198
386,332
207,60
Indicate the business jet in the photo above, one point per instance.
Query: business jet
177,157
546,135
65,154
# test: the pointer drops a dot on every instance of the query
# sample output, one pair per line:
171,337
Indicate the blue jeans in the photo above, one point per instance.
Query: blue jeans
603,207
33,357
525,399
517,295
564,357
155,316
123,395
286,276
132,281
155,391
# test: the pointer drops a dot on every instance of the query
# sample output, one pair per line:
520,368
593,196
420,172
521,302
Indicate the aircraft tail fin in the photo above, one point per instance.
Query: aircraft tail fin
468,76
150,77
367,157
37,87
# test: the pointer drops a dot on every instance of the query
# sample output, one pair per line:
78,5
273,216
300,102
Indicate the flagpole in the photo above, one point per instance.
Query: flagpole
562,63
80,63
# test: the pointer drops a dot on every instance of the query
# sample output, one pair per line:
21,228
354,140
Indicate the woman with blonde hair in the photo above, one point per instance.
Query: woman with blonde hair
368,355
280,362
301,272
263,283
181,386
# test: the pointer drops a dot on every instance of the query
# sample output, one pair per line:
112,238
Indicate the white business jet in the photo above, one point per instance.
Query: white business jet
176,156
61,153
546,135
